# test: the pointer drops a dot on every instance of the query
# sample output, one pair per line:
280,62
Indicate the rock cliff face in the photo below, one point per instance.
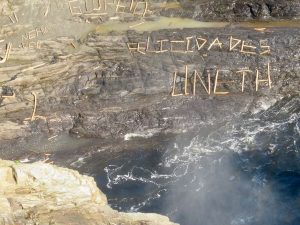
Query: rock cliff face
72,70
43,194
237,10
81,73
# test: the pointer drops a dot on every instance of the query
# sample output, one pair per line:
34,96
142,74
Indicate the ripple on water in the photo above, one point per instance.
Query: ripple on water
245,172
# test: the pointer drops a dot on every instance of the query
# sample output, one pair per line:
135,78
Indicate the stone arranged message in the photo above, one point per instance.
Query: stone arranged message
211,82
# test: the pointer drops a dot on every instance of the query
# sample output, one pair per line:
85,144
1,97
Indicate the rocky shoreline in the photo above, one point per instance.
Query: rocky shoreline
91,84
75,84
131,94
41,193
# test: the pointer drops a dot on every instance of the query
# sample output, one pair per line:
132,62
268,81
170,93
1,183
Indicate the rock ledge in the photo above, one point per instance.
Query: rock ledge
44,194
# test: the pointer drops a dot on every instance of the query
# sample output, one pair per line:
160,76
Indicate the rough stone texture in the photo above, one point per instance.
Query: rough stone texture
88,85
44,194
235,10
97,89
130,93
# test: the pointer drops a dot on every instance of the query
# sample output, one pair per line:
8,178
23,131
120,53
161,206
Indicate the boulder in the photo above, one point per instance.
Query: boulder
44,194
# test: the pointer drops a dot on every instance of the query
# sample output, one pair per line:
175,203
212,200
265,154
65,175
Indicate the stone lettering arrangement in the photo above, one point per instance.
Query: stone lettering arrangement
41,38
202,45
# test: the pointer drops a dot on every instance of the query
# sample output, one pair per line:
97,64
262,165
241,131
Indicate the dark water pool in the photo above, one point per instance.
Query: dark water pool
245,172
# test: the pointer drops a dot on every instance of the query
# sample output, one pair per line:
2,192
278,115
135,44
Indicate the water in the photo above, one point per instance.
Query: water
245,172
181,23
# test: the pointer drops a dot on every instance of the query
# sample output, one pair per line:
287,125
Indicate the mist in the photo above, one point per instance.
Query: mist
243,172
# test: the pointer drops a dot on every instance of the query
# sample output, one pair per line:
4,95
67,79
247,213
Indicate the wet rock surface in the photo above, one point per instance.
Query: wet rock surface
106,92
71,88
236,10
79,79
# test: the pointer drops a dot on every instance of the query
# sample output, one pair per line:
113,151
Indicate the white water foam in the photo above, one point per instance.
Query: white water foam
143,134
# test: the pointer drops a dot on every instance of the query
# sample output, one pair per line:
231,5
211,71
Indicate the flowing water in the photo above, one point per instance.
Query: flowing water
245,172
